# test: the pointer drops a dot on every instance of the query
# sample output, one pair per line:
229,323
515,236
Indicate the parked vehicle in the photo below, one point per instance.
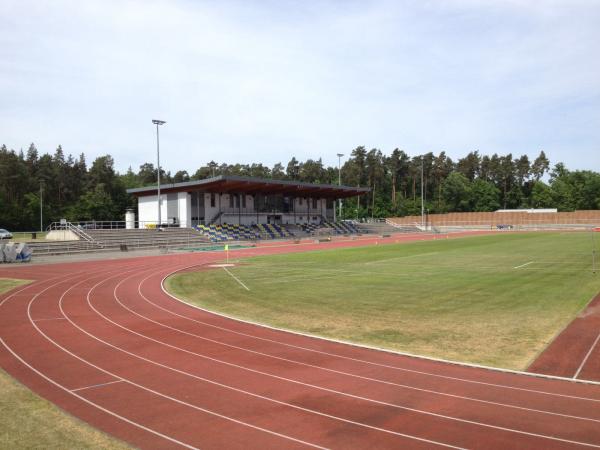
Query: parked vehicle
5,234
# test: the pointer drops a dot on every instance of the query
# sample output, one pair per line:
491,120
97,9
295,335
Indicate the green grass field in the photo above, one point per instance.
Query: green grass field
25,236
27,421
496,300
6,284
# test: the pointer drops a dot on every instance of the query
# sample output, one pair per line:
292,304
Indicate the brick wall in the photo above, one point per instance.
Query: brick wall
508,218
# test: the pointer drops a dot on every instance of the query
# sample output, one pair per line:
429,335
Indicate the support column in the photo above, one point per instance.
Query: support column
184,209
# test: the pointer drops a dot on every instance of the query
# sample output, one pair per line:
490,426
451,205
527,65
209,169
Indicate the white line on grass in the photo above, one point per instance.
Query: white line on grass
523,265
401,257
236,278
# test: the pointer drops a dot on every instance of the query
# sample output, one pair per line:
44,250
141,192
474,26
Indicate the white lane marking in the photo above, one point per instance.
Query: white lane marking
587,356
249,425
60,386
305,364
295,381
236,278
96,385
89,402
36,283
283,403
351,422
383,350
523,265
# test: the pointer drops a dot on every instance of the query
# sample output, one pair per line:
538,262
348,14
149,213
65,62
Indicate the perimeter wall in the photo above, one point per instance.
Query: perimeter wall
493,219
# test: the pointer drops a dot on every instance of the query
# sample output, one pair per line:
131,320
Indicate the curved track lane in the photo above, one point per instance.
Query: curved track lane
106,343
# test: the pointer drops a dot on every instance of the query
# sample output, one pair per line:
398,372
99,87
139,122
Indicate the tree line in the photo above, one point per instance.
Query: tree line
72,190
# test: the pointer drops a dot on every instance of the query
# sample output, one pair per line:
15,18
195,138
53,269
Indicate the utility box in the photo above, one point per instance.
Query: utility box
129,219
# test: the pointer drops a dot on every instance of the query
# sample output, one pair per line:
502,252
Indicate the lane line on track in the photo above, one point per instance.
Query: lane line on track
587,356
236,278
306,384
139,386
351,422
339,372
68,391
523,265
35,283
582,398
89,402
383,350
96,385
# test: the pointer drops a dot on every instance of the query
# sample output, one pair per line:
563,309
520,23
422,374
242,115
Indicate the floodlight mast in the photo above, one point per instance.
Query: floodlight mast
41,206
157,123
422,194
593,250
340,155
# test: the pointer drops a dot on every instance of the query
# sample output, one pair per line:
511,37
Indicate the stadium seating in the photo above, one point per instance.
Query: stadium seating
310,228
341,227
274,231
224,232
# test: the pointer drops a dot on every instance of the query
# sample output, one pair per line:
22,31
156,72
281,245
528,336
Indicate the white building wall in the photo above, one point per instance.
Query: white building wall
148,212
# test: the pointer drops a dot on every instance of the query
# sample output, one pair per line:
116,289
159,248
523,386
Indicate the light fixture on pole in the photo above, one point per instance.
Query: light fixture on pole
157,123
339,155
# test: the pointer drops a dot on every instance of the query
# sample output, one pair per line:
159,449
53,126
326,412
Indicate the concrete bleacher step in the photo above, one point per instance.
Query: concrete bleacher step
105,240
384,228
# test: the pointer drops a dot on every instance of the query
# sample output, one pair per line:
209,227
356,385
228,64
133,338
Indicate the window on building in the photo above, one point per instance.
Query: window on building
237,200
244,201
231,200
300,201
314,203
212,200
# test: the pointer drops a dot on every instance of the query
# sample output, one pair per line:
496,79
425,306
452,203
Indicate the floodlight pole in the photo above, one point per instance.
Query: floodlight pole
157,123
593,250
339,155
422,200
41,207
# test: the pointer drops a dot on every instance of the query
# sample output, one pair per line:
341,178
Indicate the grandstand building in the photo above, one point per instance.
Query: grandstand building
241,201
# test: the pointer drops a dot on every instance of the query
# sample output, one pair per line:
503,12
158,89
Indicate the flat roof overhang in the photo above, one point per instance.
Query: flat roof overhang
234,184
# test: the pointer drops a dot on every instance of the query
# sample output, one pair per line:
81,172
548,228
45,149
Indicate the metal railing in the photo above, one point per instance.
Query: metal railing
76,230
113,225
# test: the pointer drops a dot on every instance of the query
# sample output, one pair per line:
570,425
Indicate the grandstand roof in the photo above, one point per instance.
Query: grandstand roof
225,183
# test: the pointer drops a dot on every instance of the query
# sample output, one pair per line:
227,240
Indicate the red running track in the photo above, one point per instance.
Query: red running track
575,353
104,342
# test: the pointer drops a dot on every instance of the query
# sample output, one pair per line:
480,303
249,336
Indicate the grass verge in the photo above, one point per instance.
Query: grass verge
496,300
28,421
26,236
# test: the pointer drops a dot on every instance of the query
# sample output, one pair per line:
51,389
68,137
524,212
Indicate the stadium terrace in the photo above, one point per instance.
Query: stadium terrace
241,201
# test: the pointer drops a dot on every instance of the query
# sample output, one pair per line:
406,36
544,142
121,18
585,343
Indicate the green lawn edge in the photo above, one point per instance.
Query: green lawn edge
184,287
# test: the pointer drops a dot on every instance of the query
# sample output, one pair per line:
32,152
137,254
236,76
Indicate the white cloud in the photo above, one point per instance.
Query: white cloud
261,81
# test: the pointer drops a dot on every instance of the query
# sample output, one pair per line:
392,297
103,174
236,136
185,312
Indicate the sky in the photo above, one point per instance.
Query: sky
262,81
